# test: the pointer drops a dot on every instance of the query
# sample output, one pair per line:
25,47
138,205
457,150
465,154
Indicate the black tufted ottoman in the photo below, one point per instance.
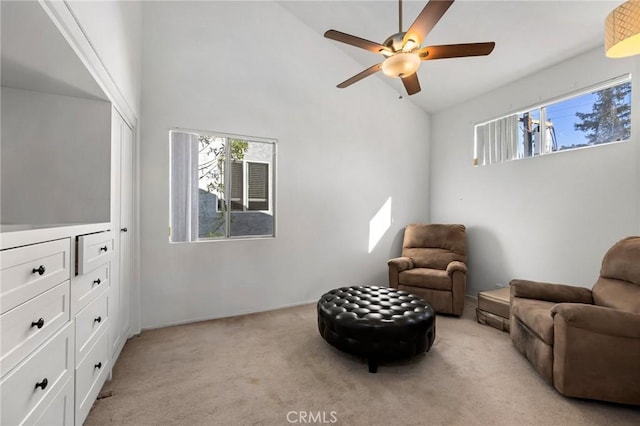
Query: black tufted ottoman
377,323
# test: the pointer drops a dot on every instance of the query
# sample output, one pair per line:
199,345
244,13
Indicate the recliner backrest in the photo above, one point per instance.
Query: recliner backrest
435,245
618,286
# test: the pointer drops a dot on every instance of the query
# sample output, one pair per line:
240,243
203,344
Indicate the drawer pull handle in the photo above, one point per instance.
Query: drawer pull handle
104,249
38,324
97,281
98,365
124,229
40,270
43,384
98,319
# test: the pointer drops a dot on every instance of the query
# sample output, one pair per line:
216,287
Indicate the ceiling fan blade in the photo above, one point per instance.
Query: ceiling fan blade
366,73
411,83
455,50
355,41
425,22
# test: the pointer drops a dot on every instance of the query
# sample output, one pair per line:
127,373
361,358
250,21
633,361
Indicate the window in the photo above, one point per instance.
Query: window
221,186
596,116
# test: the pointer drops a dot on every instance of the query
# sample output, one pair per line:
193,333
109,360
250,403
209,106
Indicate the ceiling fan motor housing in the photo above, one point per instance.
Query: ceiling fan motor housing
394,42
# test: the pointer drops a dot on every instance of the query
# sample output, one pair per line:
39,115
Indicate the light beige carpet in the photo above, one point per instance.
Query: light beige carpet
274,368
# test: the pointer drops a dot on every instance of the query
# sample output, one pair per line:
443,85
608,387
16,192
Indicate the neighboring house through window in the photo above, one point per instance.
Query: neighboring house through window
250,188
207,202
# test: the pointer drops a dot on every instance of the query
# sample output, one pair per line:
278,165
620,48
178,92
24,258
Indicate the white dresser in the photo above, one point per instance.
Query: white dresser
90,307
68,156
54,322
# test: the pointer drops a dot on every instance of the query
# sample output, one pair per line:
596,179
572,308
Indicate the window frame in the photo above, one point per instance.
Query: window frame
542,108
227,184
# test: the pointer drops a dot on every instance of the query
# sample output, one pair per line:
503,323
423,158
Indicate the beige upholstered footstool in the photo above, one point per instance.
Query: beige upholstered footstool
493,308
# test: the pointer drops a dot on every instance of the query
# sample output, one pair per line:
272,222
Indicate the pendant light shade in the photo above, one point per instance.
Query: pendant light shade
401,65
622,30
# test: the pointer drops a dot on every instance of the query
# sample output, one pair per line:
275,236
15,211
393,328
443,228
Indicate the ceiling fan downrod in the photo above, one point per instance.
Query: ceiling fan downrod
399,16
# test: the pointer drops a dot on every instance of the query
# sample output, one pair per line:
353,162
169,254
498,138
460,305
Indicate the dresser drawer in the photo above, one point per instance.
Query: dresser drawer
94,250
30,270
58,411
29,387
90,322
27,326
90,376
85,288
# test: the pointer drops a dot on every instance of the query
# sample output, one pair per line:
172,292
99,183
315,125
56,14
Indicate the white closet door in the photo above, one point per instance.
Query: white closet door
122,219
126,231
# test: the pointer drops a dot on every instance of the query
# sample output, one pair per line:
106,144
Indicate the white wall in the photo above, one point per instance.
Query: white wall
55,158
545,218
114,30
251,68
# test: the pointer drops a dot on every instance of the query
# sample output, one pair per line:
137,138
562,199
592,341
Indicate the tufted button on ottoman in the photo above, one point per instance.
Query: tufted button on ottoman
377,323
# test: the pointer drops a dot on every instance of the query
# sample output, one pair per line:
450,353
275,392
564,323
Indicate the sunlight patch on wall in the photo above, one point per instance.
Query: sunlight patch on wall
379,224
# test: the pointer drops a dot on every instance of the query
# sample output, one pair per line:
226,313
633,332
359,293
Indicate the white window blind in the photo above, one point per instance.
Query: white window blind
497,140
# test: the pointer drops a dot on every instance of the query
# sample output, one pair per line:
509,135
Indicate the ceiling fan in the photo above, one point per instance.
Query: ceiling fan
402,50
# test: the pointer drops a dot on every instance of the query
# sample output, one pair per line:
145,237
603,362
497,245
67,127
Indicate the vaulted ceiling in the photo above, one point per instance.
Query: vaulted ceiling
529,36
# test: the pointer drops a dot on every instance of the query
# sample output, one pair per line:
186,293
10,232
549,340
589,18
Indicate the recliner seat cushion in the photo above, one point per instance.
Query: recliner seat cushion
536,316
428,278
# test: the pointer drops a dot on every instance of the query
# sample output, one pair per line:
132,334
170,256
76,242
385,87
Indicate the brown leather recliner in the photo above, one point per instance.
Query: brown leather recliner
433,265
586,343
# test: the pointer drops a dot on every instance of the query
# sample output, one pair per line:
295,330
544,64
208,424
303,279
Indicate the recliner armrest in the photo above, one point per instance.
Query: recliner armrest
456,266
558,293
401,263
599,319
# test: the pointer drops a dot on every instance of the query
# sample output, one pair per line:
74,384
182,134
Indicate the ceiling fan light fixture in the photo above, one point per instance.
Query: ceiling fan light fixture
622,30
410,45
401,64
